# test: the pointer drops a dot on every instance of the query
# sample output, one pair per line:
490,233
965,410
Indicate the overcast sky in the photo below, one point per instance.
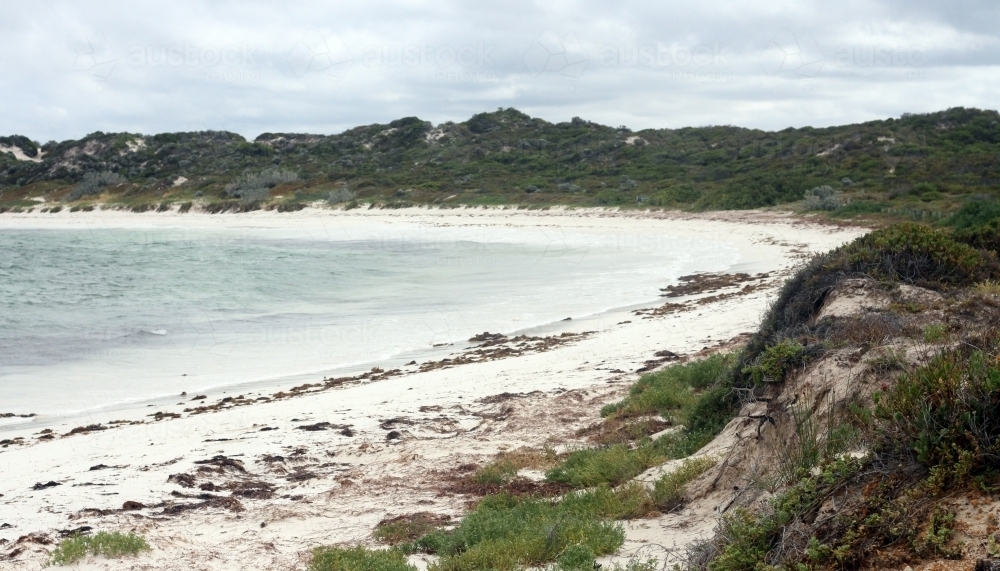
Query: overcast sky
70,68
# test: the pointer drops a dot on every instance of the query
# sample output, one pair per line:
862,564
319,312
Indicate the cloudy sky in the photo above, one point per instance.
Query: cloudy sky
70,68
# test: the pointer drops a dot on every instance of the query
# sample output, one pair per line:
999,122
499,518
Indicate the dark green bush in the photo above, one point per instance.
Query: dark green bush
858,208
975,213
945,409
910,253
903,253
774,363
983,237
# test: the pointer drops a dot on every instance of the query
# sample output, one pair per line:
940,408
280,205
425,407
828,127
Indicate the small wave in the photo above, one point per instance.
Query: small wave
158,332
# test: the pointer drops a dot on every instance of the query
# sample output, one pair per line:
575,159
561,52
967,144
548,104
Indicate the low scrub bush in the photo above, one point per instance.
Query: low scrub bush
358,559
109,544
934,431
773,363
672,391
823,198
93,183
507,533
975,213
945,409
254,187
343,194
903,253
496,473
983,237
610,465
858,208
668,491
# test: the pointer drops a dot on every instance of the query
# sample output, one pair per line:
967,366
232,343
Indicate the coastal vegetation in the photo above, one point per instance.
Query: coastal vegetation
108,544
922,166
874,476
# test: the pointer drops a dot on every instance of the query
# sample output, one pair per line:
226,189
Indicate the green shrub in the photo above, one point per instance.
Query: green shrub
910,253
613,198
629,501
982,237
611,465
975,213
945,409
903,253
508,533
108,544
773,364
935,332
858,208
668,491
358,559
496,473
745,538
671,392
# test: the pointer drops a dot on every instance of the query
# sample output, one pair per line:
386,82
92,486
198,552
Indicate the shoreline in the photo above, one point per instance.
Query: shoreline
443,417
318,223
425,355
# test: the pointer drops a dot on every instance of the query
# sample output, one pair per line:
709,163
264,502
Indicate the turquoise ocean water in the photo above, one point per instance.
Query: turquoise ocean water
97,318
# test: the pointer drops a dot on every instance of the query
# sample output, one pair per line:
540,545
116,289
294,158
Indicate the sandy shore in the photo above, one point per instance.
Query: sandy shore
391,443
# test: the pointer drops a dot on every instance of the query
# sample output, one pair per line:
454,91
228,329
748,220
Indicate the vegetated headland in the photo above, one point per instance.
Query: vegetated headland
919,166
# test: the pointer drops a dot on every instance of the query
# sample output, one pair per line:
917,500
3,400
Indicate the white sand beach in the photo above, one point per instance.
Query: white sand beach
408,432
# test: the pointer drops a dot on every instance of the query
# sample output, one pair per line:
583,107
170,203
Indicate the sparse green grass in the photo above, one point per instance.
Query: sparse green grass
935,332
612,465
668,492
358,559
496,473
109,544
691,393
673,391
407,528
505,533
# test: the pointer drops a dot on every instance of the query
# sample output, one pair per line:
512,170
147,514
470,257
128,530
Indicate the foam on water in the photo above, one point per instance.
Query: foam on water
96,318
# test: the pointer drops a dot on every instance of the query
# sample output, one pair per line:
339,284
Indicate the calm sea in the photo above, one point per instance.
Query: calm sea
91,319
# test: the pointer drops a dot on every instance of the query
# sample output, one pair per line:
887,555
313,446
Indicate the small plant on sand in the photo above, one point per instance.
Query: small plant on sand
112,545
496,473
612,465
673,391
668,491
358,559
936,332
988,287
508,533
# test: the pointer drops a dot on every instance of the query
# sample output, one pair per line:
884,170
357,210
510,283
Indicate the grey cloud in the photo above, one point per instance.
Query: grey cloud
72,68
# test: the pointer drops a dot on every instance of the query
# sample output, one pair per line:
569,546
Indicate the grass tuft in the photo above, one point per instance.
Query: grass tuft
358,559
505,533
671,392
668,492
108,544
